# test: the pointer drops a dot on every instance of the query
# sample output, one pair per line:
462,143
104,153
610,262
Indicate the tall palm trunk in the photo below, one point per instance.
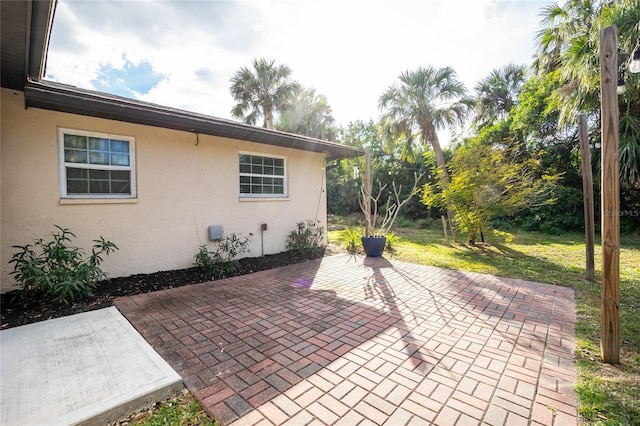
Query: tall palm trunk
267,110
429,134
268,118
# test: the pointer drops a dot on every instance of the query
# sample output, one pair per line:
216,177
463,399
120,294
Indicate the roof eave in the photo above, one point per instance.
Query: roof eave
41,22
77,101
26,30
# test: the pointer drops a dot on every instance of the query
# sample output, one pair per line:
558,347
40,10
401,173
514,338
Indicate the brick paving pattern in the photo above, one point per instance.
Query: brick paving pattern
347,340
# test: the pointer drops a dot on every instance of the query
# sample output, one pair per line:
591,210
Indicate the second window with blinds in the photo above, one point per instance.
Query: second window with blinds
262,176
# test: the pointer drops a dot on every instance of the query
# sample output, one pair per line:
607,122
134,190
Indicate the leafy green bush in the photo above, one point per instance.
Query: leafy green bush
205,259
428,223
353,239
222,261
553,219
405,222
501,223
307,235
391,242
627,226
56,270
354,219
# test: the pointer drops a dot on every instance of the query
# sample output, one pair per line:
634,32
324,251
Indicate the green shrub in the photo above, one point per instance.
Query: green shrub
353,239
307,235
553,219
392,239
429,223
627,226
405,222
501,223
354,219
56,270
205,259
222,261
550,228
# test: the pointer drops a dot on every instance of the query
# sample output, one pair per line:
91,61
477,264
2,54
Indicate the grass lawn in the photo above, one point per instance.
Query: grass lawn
183,410
606,394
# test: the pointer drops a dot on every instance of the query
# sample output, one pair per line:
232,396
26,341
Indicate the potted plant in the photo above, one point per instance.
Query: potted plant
374,239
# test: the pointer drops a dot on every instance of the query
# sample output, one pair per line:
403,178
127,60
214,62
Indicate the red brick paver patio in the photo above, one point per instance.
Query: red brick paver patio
347,340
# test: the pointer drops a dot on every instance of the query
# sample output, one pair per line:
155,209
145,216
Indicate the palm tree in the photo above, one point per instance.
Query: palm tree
497,94
569,43
309,114
561,25
627,19
262,91
425,100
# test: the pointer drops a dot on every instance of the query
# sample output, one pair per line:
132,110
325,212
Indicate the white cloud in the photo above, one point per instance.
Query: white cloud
350,51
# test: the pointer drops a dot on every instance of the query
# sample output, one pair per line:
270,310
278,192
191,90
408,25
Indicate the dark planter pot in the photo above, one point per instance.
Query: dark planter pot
374,246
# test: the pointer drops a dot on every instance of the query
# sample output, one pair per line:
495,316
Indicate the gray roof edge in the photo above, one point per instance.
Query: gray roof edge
26,30
42,14
64,98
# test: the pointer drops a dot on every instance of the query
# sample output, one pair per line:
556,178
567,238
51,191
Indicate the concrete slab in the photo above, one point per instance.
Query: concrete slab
88,368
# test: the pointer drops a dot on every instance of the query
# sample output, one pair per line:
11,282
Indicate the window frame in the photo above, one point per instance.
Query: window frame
62,165
285,191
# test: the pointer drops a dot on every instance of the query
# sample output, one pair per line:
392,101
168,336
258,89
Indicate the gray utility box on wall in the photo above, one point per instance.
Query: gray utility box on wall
216,232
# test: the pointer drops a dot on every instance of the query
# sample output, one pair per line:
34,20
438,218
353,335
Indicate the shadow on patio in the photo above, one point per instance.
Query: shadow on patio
345,338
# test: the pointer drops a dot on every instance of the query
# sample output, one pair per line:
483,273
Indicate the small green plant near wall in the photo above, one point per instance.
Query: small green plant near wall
222,261
352,239
57,271
307,235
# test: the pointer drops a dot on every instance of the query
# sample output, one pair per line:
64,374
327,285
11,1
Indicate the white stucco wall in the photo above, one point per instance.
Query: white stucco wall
181,190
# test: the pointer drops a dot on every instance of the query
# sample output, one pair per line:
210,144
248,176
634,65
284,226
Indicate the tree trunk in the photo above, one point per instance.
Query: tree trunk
268,118
429,134
442,168
366,202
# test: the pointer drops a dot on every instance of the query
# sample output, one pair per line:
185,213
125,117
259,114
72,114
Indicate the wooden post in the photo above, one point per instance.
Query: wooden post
609,316
366,202
587,193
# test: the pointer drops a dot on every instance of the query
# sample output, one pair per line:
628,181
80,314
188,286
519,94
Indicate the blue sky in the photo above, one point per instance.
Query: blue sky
183,53
130,80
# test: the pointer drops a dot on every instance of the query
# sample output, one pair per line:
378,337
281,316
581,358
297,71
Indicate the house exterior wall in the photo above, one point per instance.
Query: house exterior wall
182,188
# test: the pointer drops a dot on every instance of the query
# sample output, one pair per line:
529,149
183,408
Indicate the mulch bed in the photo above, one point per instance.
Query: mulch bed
16,312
